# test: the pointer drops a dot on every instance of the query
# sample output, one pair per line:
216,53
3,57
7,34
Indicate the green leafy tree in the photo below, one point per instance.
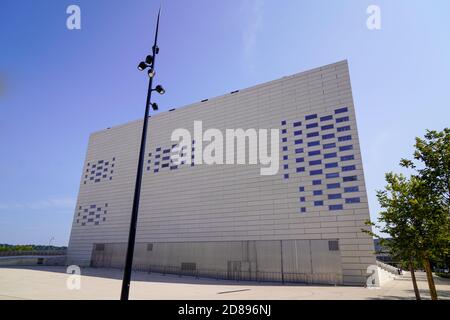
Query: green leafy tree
432,165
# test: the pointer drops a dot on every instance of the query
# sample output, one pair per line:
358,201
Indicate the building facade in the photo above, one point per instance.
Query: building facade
303,224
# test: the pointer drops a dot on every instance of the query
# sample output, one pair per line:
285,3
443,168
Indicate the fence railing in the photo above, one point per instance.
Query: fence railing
239,275
33,253
387,267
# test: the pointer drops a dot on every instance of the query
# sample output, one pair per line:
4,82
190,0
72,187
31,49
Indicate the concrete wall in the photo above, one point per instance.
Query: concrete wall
234,202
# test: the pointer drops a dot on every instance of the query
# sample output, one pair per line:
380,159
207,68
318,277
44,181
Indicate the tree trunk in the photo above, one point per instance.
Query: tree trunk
426,264
413,276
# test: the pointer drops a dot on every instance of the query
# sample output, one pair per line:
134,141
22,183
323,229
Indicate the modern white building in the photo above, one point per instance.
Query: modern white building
303,224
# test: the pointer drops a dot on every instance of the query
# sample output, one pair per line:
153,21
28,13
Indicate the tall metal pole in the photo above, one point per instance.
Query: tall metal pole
137,190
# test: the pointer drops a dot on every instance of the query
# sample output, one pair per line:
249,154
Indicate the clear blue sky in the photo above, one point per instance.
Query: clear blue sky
61,85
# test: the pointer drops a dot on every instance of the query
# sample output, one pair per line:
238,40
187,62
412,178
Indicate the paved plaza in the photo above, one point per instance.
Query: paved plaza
51,283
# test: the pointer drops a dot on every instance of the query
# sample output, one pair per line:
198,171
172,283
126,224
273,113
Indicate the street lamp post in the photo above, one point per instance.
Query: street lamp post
150,64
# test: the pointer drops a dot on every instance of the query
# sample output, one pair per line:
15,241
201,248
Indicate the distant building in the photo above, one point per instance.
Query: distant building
302,224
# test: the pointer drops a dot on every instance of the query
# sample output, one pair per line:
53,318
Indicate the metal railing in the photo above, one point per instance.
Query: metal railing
387,267
32,253
239,275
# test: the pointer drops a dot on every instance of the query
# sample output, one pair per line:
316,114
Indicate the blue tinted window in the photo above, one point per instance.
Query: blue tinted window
298,160
317,192
173,167
327,127
158,149
331,165
351,189
346,148
342,129
284,131
284,140
350,178
286,166
345,138
318,203
341,110
286,176
352,200
335,207
343,119
347,158
329,145
326,118
298,133
165,165
312,134
311,116
312,125
285,148
157,163
314,153
330,155
333,185
299,141
328,136
300,169
349,168
166,158
156,170
315,172
297,124
301,189
302,209
158,156
285,157
317,182
283,123
166,151
315,162
302,199
313,143
334,196
332,175
299,150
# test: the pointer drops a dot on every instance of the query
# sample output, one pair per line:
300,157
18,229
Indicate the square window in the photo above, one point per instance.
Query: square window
312,125
285,157
283,123
284,131
349,168
286,176
327,127
302,199
333,245
352,200
315,162
343,119
285,167
301,189
344,138
284,140
351,189
331,165
302,209
341,110
342,129
326,118
346,148
328,136
285,148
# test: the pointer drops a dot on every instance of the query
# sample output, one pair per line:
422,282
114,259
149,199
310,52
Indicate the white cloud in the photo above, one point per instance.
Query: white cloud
57,203
253,15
